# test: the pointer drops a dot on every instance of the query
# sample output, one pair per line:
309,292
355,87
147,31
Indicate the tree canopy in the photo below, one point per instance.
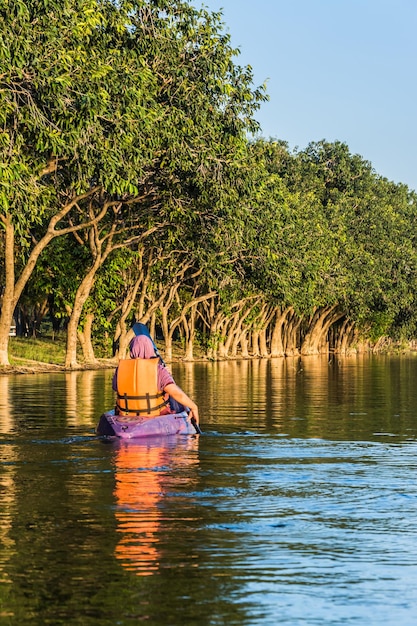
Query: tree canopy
134,183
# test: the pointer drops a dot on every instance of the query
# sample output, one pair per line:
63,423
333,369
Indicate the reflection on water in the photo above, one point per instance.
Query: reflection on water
8,497
6,419
71,399
142,476
311,396
298,505
79,395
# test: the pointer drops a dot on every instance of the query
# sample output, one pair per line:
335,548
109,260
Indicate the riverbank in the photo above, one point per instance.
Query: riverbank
36,355
38,367
46,355
30,355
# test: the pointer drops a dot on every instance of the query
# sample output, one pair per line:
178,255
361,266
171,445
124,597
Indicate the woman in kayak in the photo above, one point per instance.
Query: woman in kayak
141,347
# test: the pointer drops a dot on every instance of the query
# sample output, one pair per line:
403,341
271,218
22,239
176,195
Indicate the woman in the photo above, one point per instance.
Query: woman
141,347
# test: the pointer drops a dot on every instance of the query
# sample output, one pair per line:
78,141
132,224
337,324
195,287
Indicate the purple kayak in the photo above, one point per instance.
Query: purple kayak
126,427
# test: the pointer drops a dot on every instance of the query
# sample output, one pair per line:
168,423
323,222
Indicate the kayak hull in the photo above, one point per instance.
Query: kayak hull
126,427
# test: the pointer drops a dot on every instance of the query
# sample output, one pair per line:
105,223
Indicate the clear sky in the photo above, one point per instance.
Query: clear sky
341,70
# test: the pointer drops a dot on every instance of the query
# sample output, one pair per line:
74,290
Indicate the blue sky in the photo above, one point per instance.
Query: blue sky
335,69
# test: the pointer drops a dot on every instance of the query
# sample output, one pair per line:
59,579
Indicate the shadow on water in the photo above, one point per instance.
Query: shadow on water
297,505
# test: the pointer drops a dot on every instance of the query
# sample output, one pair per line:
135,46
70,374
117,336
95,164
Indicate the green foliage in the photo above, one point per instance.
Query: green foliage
141,106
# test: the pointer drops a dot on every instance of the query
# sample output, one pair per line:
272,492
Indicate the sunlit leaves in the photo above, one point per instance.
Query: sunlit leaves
144,102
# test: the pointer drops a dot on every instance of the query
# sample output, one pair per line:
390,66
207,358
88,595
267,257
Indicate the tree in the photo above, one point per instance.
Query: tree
63,135
129,107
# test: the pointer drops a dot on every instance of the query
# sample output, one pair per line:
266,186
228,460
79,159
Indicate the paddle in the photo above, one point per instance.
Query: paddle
196,426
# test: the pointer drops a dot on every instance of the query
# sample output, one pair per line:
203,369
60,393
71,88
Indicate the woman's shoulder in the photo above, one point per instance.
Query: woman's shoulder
165,376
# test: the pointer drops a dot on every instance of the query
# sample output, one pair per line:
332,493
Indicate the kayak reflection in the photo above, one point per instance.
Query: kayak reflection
143,471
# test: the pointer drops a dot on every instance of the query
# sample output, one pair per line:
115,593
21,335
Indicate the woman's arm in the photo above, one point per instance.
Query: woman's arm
178,394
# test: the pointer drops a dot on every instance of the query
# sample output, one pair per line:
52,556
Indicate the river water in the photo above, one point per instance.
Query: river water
298,504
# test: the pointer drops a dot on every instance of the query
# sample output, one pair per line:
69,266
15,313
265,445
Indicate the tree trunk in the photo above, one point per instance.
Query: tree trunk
342,336
8,302
255,343
263,344
84,337
221,346
123,339
168,348
263,319
167,335
236,343
235,332
320,323
244,345
13,289
152,326
236,323
291,334
81,296
214,335
277,344
346,338
189,328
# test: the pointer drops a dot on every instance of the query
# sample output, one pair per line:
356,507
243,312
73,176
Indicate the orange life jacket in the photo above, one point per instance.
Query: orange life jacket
137,387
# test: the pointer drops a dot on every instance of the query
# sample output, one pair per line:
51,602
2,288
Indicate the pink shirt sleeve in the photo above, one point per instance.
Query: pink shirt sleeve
164,377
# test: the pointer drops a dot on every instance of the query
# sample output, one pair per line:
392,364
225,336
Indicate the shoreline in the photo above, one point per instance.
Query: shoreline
39,367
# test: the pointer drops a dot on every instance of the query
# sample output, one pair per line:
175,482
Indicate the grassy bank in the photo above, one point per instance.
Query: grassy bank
41,350
43,354
47,353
